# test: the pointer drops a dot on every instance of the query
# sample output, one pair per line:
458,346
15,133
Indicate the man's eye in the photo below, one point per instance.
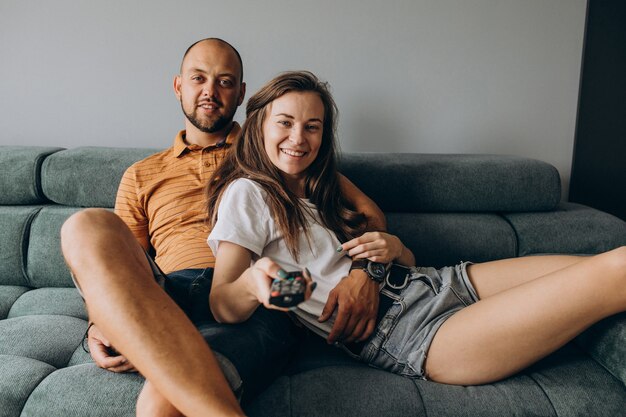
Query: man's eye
226,83
196,78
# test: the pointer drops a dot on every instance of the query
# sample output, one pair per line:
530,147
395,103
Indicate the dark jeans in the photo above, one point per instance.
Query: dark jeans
259,348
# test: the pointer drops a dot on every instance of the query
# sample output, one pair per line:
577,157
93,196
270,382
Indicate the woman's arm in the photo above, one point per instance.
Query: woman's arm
379,247
238,288
232,298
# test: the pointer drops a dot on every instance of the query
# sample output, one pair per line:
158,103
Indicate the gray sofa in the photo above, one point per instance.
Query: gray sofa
447,208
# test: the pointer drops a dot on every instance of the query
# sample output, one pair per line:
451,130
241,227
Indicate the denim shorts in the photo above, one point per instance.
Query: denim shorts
404,334
251,354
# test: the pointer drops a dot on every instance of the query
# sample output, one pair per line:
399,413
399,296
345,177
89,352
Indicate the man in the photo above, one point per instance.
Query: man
161,205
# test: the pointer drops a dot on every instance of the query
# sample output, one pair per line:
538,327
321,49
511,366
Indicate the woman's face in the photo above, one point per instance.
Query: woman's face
292,133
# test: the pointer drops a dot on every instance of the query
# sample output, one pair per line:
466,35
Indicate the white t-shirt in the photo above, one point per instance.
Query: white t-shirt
244,218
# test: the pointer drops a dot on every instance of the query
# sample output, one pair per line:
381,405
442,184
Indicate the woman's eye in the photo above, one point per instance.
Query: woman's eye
313,127
285,123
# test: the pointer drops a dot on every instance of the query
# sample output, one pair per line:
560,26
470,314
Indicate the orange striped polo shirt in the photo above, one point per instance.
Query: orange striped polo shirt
162,200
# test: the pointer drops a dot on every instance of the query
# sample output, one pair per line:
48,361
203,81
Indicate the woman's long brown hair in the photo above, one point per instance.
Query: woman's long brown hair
249,160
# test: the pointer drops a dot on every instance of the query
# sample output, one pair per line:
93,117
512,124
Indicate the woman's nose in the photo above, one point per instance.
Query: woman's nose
296,135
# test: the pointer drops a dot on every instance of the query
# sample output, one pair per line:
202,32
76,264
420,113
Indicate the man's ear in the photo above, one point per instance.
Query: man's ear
242,93
177,82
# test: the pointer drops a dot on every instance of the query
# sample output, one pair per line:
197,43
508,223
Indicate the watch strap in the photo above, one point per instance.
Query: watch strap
359,264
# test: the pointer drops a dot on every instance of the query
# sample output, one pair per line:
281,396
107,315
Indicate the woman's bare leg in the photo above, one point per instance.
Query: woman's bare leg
490,278
509,329
139,318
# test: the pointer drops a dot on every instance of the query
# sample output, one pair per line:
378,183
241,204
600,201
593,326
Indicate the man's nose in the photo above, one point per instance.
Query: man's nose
209,89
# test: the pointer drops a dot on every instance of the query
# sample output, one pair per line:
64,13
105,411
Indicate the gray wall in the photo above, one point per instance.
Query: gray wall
452,76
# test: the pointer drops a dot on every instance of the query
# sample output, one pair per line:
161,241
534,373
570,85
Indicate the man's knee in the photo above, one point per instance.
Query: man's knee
88,233
86,226
86,221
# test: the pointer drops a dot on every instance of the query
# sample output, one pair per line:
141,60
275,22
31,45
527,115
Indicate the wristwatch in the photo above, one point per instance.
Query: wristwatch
375,270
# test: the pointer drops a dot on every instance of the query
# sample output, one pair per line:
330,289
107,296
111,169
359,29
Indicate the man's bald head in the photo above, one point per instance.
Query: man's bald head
218,41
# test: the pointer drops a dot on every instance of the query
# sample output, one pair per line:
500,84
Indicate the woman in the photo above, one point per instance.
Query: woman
275,206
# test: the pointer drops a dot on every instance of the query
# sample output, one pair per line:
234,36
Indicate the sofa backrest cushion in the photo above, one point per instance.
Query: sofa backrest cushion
88,176
454,183
20,168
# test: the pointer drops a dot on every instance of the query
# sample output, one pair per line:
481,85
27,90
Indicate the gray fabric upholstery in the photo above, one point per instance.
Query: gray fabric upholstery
66,393
88,177
571,228
19,377
446,208
44,264
605,343
15,229
20,179
448,183
8,295
439,239
50,301
56,337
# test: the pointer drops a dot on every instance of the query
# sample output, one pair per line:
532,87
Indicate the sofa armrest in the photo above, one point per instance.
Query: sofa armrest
606,343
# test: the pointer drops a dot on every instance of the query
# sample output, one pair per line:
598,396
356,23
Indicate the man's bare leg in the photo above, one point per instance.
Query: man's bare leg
139,318
152,404
512,328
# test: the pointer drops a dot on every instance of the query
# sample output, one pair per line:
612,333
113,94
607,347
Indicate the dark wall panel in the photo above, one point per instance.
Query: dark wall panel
599,167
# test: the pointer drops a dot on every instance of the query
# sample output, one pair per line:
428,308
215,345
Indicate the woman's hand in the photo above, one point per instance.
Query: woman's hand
263,272
375,246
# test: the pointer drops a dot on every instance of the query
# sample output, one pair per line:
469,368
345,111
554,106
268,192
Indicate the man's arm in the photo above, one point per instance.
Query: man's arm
363,204
356,296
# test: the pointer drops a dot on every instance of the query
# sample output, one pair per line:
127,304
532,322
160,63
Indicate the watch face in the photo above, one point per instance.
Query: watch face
377,270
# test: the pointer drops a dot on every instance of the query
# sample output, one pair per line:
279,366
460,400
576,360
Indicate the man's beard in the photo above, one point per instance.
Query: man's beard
213,127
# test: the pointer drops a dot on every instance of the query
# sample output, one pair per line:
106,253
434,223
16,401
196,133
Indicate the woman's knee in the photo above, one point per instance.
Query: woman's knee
616,262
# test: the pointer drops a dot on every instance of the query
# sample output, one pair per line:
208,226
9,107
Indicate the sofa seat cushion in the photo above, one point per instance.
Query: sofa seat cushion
604,341
8,295
50,301
566,383
50,339
85,390
20,376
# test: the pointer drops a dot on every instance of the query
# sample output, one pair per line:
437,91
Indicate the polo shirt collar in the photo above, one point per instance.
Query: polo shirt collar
180,146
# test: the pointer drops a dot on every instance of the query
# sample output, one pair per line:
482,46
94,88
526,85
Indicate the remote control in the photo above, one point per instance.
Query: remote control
288,292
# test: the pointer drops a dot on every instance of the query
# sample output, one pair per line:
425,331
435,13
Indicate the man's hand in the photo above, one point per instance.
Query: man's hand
356,301
101,351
